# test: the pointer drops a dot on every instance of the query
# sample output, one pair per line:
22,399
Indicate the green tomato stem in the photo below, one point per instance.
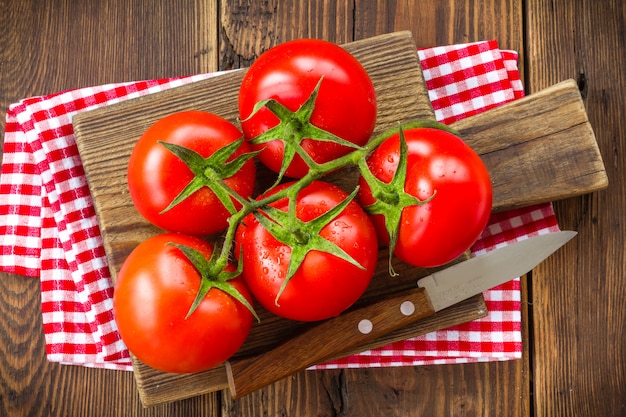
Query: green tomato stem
212,171
356,157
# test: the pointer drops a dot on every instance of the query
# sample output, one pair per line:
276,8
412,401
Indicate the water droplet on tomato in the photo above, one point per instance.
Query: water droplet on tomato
342,224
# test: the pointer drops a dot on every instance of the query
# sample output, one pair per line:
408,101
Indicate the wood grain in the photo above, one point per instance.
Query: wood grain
250,28
579,345
23,351
398,392
444,22
53,46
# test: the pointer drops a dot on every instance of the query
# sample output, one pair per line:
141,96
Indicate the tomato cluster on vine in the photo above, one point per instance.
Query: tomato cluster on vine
304,249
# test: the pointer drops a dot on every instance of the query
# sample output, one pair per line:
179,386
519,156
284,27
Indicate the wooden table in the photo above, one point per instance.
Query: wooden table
574,316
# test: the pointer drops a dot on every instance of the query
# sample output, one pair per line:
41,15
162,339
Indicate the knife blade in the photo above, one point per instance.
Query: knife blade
356,327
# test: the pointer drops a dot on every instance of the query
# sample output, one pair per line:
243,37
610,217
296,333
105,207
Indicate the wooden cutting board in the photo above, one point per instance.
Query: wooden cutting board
537,149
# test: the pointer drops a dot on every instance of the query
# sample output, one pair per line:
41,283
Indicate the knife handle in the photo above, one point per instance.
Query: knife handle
322,341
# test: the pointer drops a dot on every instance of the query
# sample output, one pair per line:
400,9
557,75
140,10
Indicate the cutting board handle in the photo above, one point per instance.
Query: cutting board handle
538,149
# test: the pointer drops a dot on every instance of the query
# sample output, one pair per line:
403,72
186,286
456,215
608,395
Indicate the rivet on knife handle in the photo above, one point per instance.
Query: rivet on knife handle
323,341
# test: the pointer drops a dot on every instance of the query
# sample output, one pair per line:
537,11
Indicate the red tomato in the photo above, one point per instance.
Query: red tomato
156,176
154,291
442,229
289,73
324,285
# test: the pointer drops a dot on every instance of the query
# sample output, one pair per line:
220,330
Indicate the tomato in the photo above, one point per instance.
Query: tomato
345,105
324,285
156,176
154,291
439,165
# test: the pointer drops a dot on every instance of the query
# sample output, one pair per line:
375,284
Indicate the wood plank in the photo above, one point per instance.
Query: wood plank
579,349
250,28
445,22
53,46
24,372
478,389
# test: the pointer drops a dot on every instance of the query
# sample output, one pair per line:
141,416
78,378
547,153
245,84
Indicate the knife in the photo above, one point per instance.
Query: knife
356,327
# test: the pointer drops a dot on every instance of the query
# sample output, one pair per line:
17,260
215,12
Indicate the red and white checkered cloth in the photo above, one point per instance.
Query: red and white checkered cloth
49,230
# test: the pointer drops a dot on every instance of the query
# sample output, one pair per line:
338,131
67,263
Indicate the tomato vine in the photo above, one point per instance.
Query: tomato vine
285,226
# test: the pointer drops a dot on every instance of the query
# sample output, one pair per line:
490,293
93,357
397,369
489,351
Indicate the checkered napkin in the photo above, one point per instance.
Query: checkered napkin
48,227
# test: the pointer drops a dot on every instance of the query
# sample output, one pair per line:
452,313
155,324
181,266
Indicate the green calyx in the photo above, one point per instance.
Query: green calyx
303,237
212,276
210,172
293,128
391,199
